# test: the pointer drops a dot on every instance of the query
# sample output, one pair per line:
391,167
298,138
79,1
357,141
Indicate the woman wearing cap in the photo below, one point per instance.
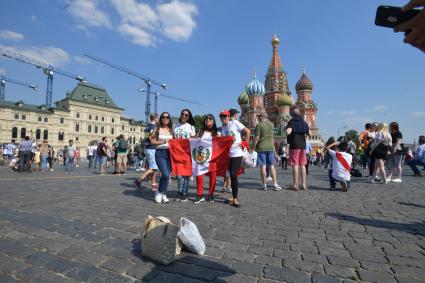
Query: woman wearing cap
234,128
208,131
184,129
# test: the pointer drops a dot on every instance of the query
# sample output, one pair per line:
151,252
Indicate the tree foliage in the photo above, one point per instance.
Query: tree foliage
198,121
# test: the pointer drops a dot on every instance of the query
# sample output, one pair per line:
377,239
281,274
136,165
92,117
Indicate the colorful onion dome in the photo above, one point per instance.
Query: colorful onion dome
284,99
255,87
304,83
243,98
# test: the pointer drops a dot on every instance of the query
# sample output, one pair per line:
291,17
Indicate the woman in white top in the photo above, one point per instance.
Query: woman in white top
380,150
184,129
232,127
208,131
160,138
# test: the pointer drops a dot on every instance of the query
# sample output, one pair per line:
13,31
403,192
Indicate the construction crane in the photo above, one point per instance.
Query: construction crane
167,96
48,70
3,81
148,81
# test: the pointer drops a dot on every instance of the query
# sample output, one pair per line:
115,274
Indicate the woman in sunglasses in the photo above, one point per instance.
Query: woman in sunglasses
184,129
232,127
208,131
160,138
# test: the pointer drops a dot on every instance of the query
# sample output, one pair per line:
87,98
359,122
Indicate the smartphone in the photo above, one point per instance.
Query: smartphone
390,17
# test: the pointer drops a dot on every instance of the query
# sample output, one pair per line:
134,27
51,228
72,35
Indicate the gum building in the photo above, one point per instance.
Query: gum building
86,114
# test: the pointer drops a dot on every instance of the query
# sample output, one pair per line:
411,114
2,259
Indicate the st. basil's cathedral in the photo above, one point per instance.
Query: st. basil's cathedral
274,98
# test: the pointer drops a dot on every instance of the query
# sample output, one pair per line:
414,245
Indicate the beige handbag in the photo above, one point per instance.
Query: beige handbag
159,239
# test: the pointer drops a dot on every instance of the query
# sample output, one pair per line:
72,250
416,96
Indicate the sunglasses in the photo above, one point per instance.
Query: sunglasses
223,116
165,117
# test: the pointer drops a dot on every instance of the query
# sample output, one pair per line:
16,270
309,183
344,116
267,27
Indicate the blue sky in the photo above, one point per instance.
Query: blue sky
207,50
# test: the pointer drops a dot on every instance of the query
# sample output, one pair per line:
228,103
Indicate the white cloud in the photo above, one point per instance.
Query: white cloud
136,14
34,19
348,113
11,35
48,55
88,13
84,29
82,60
136,35
417,114
177,19
2,71
380,108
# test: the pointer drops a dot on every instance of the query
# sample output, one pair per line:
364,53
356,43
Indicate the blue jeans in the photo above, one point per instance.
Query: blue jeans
162,159
415,162
69,162
183,184
90,158
44,161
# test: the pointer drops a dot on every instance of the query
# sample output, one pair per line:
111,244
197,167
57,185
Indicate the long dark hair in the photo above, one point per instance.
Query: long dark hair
170,123
214,130
190,120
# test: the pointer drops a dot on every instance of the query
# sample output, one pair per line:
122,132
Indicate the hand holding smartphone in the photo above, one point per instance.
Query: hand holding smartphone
390,17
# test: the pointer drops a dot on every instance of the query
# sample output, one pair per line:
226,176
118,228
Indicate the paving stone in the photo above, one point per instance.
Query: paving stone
247,268
322,259
398,260
235,278
61,265
373,276
375,266
339,271
319,278
118,265
286,274
84,273
311,267
268,260
343,261
243,256
29,273
409,271
260,250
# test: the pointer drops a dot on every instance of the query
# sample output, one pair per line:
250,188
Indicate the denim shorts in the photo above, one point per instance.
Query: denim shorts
103,160
265,158
150,159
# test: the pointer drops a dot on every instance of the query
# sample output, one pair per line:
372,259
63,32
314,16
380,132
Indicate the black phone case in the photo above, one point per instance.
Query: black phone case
389,16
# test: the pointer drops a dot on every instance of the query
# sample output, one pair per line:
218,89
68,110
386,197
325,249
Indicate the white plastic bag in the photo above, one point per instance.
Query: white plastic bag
247,159
190,237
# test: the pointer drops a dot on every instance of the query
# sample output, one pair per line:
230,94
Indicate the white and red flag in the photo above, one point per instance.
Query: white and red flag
194,157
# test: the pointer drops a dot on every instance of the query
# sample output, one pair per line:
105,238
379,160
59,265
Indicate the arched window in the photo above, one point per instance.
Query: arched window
103,119
89,128
45,135
77,115
102,130
112,131
37,134
62,120
96,128
14,133
23,133
134,140
60,136
96,118
90,117
77,127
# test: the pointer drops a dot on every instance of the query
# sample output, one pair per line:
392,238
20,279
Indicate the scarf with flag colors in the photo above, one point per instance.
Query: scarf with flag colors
194,157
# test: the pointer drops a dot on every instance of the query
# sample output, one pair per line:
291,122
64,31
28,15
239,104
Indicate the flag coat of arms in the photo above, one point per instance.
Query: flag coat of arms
194,157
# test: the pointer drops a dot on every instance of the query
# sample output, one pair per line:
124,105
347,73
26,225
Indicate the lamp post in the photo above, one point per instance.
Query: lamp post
342,128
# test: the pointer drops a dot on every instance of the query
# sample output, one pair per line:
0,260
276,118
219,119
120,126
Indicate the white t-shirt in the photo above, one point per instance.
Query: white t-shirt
163,137
339,172
208,135
90,150
234,129
183,131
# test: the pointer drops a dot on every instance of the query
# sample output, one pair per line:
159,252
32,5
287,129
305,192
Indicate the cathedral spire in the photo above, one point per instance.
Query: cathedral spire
275,64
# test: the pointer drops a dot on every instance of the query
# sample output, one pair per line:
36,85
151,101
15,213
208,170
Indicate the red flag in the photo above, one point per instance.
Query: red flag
181,157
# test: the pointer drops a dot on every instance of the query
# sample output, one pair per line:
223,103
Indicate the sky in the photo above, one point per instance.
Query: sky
207,50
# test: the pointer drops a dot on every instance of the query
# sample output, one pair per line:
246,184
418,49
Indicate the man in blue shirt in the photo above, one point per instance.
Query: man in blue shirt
419,158
25,148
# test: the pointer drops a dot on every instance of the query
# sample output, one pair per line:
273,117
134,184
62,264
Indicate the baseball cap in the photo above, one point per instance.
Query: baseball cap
225,112
233,111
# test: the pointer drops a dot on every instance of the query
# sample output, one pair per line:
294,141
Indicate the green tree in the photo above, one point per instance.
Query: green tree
198,121
354,136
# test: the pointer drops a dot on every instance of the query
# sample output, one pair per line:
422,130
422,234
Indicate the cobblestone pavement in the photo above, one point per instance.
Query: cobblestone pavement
85,227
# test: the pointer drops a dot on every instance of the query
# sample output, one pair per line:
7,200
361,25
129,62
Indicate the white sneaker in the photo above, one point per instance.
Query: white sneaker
165,199
138,170
397,180
263,188
268,179
158,197
277,187
371,180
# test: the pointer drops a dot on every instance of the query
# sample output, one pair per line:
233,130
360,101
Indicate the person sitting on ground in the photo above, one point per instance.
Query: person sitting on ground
341,169
418,158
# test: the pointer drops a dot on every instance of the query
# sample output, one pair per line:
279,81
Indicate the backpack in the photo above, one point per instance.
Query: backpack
356,173
123,145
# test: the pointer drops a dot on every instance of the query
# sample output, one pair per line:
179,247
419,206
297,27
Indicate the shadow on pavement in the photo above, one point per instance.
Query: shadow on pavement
414,228
412,204
187,268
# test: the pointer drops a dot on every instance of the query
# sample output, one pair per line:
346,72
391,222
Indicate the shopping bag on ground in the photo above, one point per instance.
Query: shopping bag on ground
190,237
159,239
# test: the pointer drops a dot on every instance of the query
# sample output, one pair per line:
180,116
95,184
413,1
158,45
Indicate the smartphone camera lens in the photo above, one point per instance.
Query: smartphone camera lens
392,19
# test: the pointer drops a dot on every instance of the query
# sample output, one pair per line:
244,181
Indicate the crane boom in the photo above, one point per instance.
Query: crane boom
48,70
3,81
126,70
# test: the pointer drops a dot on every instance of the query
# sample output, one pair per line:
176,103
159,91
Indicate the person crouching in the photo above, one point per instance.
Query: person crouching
341,169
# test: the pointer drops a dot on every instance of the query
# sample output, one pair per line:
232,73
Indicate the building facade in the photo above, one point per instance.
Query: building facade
274,98
86,114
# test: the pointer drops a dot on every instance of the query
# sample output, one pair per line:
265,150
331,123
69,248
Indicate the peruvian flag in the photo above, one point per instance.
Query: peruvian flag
194,157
